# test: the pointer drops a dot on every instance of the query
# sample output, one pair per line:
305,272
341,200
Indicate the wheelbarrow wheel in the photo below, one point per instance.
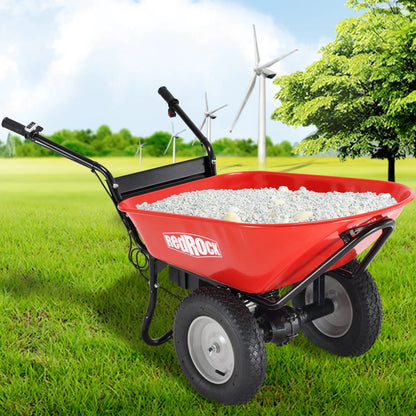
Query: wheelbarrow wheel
353,327
219,346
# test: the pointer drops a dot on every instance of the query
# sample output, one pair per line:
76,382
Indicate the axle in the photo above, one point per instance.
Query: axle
282,325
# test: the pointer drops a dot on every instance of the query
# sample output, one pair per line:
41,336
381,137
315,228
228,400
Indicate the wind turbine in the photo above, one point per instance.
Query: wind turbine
139,150
209,115
173,139
263,72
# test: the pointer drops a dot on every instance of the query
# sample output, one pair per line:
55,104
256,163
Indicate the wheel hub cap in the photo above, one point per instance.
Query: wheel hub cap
211,350
338,323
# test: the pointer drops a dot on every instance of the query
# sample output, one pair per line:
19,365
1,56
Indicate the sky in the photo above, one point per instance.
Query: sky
78,64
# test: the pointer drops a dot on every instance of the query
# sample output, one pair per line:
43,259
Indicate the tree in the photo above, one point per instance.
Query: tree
84,136
157,143
63,135
225,147
79,147
123,143
114,141
361,94
102,132
126,135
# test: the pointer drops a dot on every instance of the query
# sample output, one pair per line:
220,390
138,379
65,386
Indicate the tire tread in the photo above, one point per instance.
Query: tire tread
249,335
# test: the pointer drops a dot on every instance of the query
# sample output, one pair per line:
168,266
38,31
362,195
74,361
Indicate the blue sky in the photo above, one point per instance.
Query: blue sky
78,64
306,19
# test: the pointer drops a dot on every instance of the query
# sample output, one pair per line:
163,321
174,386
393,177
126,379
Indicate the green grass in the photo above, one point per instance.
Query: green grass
72,307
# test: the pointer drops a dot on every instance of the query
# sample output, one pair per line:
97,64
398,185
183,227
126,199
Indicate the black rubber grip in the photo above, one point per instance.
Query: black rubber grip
14,126
167,96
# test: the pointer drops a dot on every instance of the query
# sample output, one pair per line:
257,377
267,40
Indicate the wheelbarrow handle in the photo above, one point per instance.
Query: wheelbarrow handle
174,108
13,126
167,96
31,132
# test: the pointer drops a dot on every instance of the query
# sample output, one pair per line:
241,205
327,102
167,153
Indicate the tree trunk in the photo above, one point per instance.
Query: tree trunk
391,171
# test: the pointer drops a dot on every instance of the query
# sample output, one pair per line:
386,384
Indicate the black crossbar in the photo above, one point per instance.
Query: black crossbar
163,177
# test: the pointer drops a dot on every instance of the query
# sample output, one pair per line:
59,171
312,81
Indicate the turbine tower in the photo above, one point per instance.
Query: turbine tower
173,140
263,72
139,150
208,115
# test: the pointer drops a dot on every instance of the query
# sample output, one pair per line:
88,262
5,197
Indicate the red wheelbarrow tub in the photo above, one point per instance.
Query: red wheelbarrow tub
256,258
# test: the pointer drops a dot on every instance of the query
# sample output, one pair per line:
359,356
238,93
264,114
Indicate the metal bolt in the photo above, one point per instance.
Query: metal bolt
213,348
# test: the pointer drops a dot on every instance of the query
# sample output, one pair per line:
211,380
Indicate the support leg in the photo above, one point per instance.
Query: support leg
155,267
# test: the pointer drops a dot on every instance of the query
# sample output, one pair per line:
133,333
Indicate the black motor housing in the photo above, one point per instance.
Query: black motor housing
282,325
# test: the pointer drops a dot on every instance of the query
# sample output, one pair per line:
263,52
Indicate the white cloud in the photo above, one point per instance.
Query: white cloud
79,64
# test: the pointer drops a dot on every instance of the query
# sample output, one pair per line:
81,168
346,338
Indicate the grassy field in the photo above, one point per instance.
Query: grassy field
72,305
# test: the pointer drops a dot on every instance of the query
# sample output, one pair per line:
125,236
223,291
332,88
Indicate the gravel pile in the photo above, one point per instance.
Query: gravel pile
270,205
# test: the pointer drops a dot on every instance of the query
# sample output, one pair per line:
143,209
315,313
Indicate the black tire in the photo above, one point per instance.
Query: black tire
219,346
353,327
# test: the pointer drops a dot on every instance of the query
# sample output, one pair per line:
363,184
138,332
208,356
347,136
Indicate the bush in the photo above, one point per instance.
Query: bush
76,146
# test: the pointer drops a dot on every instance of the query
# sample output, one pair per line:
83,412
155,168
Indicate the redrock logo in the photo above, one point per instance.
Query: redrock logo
192,245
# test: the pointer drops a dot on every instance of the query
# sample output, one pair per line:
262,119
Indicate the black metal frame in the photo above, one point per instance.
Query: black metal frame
155,267
351,239
122,187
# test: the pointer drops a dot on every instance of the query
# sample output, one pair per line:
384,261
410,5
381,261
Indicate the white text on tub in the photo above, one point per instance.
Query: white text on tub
192,245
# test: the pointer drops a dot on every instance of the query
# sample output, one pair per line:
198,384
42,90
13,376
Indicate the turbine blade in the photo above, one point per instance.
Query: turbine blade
273,61
217,109
179,132
203,122
206,102
167,147
256,47
200,128
250,89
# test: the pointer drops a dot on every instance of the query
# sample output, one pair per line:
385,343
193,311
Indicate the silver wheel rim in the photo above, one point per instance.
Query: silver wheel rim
211,350
338,323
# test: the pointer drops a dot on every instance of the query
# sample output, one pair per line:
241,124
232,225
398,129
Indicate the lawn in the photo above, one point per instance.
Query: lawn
72,307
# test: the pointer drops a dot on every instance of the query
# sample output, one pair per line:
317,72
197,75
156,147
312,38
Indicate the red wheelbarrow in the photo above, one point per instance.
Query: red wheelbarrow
236,271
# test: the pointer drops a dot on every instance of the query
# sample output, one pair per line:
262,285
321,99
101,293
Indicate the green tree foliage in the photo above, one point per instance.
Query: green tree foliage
84,136
102,132
229,147
79,147
156,144
283,149
361,95
24,148
106,143
247,147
